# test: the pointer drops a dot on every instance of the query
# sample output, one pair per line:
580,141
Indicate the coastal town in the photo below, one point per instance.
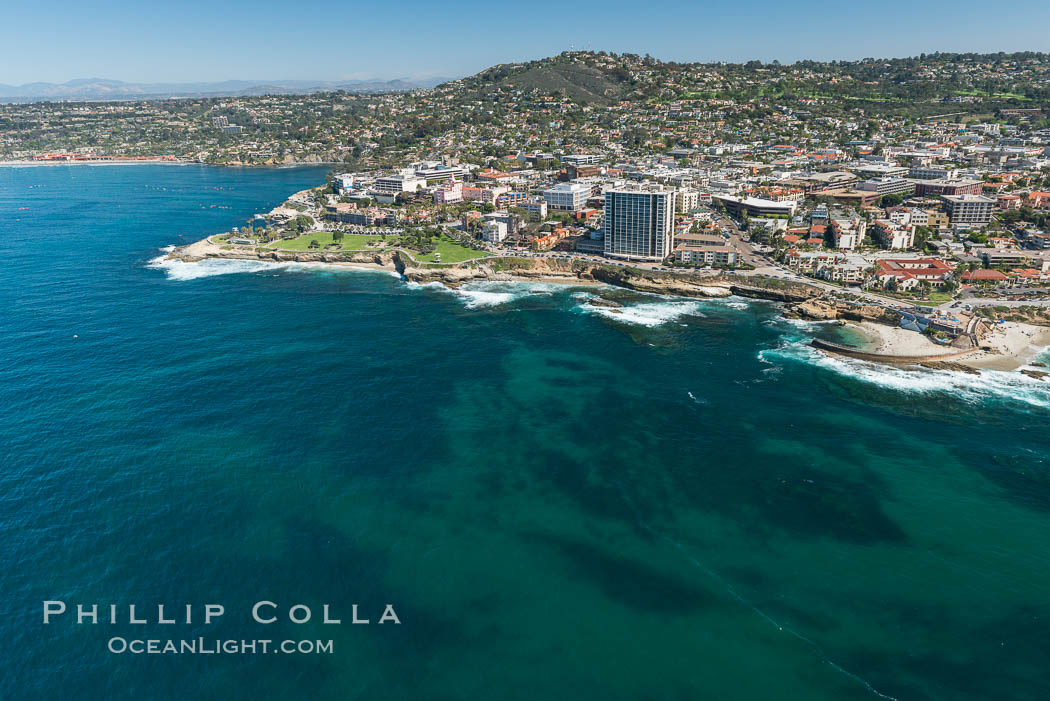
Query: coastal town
919,186
460,351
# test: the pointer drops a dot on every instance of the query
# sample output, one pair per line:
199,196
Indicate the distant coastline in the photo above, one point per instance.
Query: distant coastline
106,162
162,162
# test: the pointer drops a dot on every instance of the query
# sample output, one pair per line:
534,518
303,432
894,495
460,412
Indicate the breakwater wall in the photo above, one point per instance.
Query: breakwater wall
850,352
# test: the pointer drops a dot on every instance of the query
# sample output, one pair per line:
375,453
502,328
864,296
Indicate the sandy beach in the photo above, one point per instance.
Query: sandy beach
1014,345
893,340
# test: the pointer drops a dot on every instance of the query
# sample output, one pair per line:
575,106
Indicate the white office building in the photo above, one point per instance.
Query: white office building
580,159
567,197
435,171
880,170
933,173
396,184
887,186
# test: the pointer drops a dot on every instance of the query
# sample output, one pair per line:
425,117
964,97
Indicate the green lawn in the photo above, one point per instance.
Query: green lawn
451,252
350,242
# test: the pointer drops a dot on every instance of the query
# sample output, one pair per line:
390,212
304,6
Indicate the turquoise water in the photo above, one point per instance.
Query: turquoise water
678,501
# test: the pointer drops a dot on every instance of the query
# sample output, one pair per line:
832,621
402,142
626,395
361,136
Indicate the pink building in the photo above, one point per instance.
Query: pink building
449,192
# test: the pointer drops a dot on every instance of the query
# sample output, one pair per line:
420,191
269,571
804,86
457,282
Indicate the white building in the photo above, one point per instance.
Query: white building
848,232
755,207
901,216
396,184
580,159
686,200
887,186
567,197
918,217
880,170
494,231
894,236
536,208
933,173
437,171
345,181
722,256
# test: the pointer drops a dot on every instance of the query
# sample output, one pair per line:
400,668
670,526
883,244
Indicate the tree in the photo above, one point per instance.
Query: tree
922,235
315,243
337,236
829,236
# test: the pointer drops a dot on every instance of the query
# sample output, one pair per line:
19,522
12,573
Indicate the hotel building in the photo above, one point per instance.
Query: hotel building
639,223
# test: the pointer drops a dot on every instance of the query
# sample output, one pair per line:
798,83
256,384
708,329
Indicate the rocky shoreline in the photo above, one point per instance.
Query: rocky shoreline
520,269
800,300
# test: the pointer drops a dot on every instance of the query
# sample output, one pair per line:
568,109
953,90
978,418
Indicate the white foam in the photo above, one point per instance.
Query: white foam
697,400
648,314
476,299
182,271
804,324
492,293
426,285
974,389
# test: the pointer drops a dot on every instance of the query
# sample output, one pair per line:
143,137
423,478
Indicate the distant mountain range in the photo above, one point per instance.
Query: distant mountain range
89,89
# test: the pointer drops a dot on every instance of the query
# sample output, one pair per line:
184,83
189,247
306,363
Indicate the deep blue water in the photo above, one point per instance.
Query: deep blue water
679,501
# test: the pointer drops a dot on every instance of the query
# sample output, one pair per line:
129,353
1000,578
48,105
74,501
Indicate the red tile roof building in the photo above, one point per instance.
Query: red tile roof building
909,273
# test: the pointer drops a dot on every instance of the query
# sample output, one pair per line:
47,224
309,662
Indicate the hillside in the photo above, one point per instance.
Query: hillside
567,75
600,78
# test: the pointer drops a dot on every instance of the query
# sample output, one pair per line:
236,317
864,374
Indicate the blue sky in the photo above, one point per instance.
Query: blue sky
194,40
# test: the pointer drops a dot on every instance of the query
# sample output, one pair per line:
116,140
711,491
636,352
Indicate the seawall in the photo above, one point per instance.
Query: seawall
849,352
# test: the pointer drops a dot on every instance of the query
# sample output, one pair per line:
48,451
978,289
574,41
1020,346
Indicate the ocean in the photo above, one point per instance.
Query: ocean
679,501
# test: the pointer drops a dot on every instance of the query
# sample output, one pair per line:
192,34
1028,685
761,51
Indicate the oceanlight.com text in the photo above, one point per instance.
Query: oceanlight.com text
205,646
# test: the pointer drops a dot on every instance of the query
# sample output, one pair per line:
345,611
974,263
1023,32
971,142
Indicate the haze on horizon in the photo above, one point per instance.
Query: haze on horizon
211,42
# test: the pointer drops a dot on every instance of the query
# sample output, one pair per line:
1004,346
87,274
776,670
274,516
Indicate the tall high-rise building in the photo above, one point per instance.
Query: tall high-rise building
639,222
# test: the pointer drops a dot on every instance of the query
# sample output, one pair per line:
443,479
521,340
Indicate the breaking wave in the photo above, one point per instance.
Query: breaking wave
480,295
974,389
733,304
648,314
182,271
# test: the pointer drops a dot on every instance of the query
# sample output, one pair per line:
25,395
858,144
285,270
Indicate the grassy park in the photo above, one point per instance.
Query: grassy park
350,242
451,252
